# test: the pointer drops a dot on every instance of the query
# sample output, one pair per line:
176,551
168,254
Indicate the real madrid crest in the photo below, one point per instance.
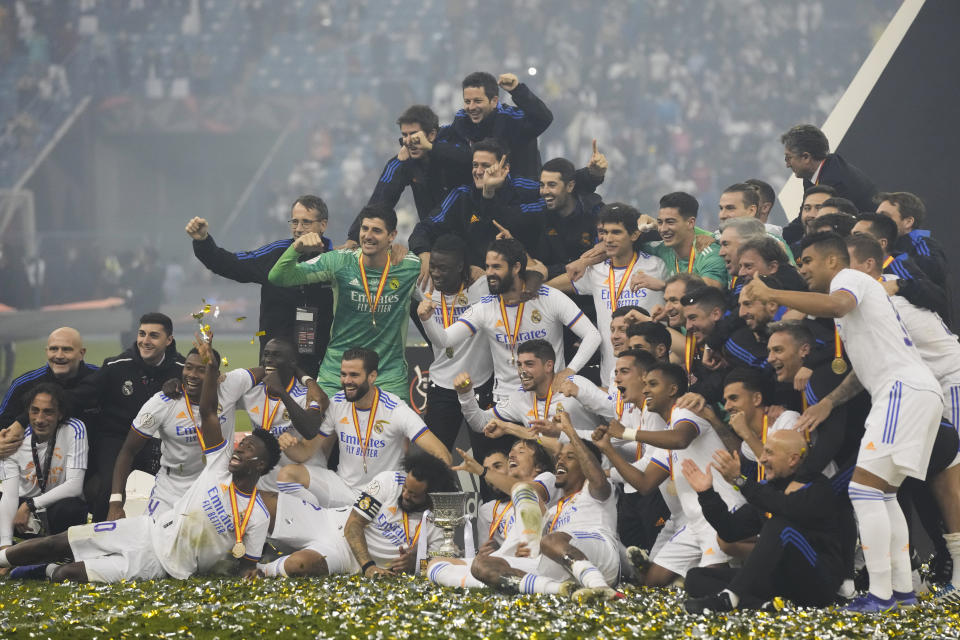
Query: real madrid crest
462,299
378,427
394,283
535,316
286,415
127,388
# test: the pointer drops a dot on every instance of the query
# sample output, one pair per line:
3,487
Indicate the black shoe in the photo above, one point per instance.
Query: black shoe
941,568
29,572
709,604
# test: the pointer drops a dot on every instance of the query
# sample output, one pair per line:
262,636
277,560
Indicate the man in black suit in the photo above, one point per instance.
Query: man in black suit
806,152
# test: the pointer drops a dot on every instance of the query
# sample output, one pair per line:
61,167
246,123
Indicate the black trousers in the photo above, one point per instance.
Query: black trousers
104,449
640,518
445,418
781,564
63,514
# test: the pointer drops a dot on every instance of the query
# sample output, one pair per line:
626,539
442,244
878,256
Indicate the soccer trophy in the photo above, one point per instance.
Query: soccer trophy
448,513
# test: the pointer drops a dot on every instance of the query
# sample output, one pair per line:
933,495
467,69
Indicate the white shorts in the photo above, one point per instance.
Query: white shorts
600,548
899,433
951,402
167,489
301,525
689,547
116,550
330,489
670,527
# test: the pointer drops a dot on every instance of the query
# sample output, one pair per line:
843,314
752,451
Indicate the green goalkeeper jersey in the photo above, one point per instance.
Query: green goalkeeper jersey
384,330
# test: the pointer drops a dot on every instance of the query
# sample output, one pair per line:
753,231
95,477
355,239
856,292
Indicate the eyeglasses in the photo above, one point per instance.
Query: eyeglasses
294,223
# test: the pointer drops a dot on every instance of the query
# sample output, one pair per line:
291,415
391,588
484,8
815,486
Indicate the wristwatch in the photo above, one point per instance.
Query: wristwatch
739,481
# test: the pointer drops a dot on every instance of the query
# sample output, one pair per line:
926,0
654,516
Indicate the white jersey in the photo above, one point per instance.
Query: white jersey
384,439
938,346
582,512
786,420
272,412
701,451
176,422
543,318
390,527
473,355
198,531
596,281
875,339
69,452
523,407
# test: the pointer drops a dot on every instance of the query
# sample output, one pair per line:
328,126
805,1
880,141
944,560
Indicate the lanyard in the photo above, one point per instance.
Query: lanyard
693,254
370,422
498,519
560,505
196,427
406,530
268,415
43,476
546,406
511,335
366,286
239,526
615,291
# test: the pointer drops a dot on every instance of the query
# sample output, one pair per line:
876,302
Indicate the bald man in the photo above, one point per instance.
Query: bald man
65,367
797,553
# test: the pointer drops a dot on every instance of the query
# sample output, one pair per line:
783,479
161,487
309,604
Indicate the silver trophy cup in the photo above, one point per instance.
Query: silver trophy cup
448,513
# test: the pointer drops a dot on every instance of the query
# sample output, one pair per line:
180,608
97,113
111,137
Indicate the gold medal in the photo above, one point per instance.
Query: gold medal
239,526
238,550
449,352
838,366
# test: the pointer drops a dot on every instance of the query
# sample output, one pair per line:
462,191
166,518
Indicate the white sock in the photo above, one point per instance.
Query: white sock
297,490
586,574
4,563
901,576
49,571
526,507
532,583
953,547
447,574
274,569
873,522
847,589
734,598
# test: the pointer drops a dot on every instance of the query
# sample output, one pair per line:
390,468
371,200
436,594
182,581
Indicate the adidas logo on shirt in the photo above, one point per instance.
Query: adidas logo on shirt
354,283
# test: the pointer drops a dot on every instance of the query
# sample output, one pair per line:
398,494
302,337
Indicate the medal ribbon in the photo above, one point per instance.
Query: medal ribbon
546,406
511,335
370,422
693,254
498,519
446,314
366,286
560,506
196,427
240,526
688,351
886,263
612,278
733,283
406,530
268,415
837,344
761,474
621,403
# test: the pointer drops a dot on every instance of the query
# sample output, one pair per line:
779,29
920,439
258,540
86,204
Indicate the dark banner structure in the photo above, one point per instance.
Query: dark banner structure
906,136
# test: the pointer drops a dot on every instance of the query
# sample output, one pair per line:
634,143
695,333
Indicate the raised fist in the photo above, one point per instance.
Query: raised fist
508,81
197,229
